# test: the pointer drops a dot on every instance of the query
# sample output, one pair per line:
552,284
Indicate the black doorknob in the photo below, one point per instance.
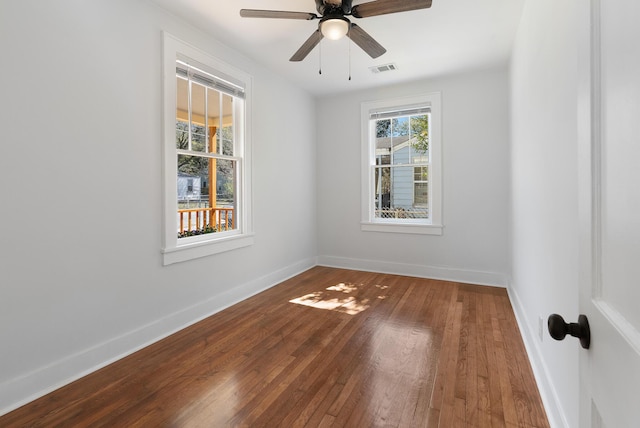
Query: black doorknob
558,329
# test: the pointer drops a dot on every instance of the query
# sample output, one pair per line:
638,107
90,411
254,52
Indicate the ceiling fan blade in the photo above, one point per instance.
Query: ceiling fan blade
383,7
279,14
365,41
307,46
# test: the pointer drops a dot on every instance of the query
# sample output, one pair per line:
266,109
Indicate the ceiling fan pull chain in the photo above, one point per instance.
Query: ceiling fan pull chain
350,41
320,54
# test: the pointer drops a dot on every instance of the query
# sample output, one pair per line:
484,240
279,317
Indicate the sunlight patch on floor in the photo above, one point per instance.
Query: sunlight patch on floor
337,298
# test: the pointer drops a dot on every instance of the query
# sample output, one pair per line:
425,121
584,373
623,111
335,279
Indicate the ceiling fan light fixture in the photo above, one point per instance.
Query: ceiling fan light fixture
334,28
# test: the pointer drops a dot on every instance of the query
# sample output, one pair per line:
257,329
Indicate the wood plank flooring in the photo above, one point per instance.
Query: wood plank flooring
327,348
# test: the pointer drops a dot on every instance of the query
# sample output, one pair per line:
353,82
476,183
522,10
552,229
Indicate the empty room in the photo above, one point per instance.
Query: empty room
329,213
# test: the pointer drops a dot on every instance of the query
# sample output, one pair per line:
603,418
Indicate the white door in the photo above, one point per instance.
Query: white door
609,148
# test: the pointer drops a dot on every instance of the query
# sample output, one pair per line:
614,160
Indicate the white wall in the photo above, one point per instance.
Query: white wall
474,243
80,264
544,195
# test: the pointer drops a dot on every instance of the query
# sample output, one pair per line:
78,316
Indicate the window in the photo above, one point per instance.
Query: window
421,187
401,146
207,181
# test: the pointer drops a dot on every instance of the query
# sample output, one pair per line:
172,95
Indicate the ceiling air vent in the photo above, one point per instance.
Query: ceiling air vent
383,68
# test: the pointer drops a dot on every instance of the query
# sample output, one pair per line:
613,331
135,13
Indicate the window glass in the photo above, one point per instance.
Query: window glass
206,181
397,141
213,119
401,158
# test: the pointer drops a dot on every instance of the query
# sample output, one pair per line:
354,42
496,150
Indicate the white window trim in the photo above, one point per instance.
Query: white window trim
174,250
368,222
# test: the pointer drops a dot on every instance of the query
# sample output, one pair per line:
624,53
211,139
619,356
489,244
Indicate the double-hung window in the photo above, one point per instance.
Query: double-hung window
206,156
401,174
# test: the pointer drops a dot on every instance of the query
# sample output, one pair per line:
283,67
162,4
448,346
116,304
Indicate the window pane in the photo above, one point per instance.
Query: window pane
198,131
420,136
420,173
383,188
193,195
182,135
383,159
213,121
421,195
226,200
182,100
383,155
396,193
198,138
420,159
226,138
421,187
195,170
383,128
206,195
383,142
226,135
400,150
400,126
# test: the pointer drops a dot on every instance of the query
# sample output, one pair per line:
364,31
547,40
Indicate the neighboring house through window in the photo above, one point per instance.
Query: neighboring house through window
207,142
401,176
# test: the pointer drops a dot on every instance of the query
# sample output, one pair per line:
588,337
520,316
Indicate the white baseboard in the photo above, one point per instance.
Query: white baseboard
24,389
467,276
549,395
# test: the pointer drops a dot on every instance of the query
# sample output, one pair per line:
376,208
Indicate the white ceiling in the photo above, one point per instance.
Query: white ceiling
450,37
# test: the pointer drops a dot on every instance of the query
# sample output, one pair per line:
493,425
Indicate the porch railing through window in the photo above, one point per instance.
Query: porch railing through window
402,213
218,218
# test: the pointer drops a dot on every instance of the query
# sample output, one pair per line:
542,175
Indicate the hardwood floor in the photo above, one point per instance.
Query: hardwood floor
356,349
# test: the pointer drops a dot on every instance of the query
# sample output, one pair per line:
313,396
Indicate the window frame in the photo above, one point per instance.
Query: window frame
369,223
176,250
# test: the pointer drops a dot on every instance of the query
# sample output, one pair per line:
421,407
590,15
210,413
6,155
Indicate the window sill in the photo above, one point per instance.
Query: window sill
207,248
416,229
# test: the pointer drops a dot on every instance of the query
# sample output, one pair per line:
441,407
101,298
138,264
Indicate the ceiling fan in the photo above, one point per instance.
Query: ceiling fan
334,23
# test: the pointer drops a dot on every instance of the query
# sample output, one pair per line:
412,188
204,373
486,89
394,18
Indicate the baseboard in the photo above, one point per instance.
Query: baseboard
467,276
550,399
24,389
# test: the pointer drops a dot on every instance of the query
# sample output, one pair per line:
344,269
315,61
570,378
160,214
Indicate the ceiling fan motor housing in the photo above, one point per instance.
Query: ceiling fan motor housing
333,9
